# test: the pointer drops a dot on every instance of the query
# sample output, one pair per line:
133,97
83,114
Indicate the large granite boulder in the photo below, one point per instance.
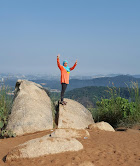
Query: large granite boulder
31,110
74,115
101,126
44,146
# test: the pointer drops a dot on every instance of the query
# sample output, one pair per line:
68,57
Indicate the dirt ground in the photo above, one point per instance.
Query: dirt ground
120,148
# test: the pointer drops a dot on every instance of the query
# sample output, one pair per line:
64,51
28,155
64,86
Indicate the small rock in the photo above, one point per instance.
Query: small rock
87,163
102,126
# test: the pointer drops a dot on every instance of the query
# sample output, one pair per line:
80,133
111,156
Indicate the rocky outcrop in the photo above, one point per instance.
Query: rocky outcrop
70,133
44,146
31,111
102,126
74,115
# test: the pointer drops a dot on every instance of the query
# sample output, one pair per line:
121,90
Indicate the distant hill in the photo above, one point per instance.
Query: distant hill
136,76
119,81
88,96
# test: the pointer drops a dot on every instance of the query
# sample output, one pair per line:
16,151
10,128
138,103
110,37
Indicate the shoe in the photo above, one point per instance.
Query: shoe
61,102
65,102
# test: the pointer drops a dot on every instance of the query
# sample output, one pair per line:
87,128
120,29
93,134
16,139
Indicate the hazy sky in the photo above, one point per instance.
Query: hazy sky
104,35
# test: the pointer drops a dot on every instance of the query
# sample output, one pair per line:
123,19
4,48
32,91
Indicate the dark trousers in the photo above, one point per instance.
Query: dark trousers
63,88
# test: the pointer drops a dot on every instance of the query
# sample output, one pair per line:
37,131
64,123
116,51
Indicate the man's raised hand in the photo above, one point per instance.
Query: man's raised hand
58,55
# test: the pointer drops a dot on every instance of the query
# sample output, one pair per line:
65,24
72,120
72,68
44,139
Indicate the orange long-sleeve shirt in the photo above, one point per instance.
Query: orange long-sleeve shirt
64,73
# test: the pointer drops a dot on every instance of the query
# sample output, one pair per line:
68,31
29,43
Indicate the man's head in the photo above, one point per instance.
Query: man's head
65,63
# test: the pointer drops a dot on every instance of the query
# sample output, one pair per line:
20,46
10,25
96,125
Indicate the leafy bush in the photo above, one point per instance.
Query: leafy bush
117,110
135,97
5,108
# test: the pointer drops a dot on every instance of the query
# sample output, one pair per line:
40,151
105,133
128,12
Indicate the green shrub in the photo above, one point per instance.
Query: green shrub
114,110
135,97
117,110
5,108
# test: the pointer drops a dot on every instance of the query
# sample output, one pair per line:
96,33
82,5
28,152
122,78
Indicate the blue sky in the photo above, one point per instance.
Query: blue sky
104,35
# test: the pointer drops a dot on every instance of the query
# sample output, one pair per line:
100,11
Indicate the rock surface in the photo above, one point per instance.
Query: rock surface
44,146
87,163
74,115
31,111
70,133
102,126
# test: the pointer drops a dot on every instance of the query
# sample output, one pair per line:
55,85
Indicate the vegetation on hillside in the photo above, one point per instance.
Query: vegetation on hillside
119,111
5,108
